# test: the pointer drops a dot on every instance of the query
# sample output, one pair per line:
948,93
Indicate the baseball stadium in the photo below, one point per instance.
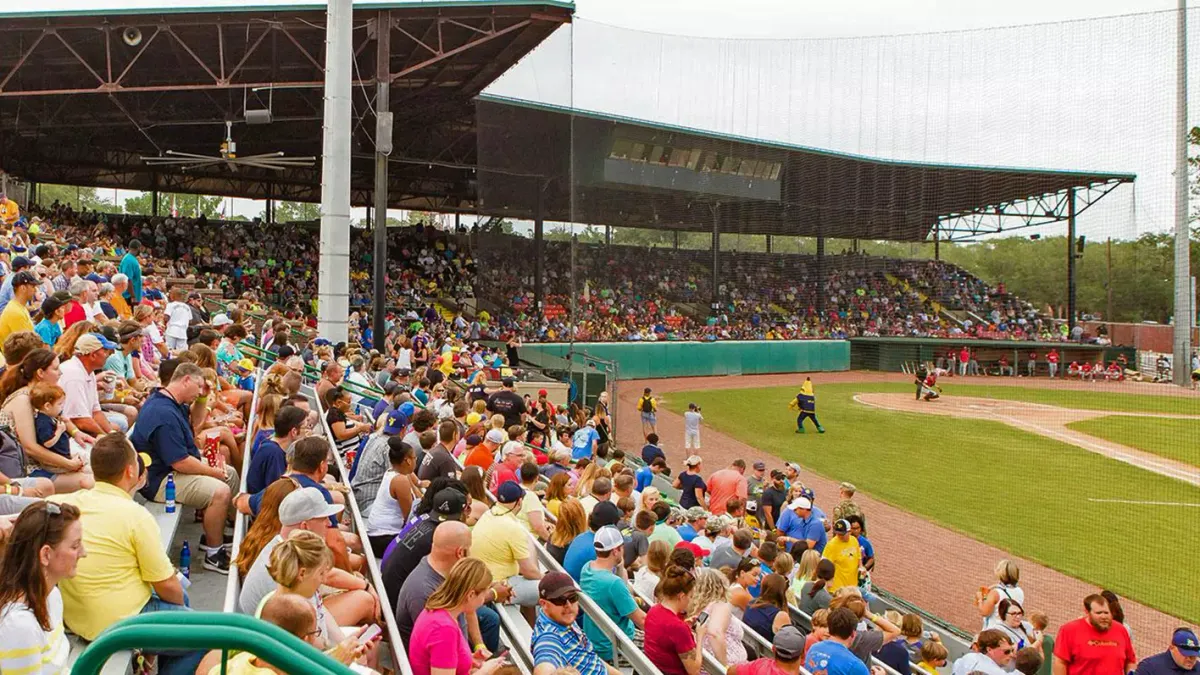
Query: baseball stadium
507,337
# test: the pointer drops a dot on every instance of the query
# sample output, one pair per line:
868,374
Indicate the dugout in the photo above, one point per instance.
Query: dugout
894,354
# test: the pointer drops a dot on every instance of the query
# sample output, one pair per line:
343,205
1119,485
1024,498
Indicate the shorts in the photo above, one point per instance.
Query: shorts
691,439
648,418
197,491
176,344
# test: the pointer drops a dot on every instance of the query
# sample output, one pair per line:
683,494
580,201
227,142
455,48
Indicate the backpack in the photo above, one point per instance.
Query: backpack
12,456
646,405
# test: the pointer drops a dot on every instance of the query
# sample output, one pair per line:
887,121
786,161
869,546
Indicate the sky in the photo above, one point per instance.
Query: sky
924,80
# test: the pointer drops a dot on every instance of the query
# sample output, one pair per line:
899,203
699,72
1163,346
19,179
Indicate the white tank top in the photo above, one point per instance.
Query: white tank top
386,516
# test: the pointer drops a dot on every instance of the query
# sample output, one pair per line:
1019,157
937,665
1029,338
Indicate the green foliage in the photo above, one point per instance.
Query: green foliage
286,212
77,197
1021,492
188,205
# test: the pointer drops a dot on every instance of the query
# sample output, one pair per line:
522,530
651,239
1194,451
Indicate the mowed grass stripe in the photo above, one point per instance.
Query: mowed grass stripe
1081,400
1170,438
1015,490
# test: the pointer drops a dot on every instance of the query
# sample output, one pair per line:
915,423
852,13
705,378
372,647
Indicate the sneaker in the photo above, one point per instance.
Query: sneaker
227,544
217,562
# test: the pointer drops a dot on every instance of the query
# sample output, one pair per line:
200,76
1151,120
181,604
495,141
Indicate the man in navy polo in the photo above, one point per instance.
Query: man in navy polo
1181,657
269,461
164,432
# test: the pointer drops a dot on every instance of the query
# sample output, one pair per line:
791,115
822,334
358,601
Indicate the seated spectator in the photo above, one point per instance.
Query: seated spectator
372,461
558,643
445,500
268,462
532,513
43,550
165,433
866,642
126,572
500,541
394,498
347,428
820,629
572,522
645,475
438,461
450,544
53,309
671,643
787,648
833,655
600,581
730,554
995,652
83,398
932,657
437,642
15,317
582,549
637,540
722,635
647,577
769,611
745,575
265,527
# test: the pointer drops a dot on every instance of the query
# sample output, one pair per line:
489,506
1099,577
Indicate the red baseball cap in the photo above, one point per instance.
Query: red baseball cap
694,548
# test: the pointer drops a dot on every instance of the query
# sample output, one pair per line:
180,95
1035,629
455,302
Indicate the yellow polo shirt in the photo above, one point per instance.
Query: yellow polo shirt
846,557
124,557
9,211
122,307
500,541
14,319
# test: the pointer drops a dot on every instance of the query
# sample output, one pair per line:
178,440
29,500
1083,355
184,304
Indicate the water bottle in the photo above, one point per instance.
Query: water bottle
170,493
185,560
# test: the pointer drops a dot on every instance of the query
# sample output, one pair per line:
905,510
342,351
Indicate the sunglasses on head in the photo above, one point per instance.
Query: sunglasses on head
565,600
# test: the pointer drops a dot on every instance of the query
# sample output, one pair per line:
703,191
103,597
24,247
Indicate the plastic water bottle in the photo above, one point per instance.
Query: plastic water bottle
185,560
170,493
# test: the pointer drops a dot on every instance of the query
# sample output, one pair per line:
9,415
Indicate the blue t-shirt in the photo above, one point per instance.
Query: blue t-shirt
868,551
688,482
163,432
581,443
581,552
796,527
45,426
832,658
645,477
262,435
267,465
48,331
649,452
304,481
612,595
686,531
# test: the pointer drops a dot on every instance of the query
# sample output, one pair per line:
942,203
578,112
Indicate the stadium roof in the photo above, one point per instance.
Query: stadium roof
84,96
820,192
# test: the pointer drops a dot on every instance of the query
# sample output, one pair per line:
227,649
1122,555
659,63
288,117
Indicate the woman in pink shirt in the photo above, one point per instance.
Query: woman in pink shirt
437,645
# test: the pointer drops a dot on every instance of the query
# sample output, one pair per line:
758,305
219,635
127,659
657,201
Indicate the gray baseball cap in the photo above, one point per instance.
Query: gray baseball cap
306,504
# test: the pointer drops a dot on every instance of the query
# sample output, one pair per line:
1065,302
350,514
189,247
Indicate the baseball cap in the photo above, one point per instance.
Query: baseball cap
496,436
20,262
788,643
473,418
760,466
841,526
24,278
751,506
555,585
91,342
509,493
306,504
800,503
604,513
608,538
793,465
513,447
395,423
408,409
848,487
193,295
221,319
694,548
508,382
473,440
1185,641
808,493
449,503
143,462
55,302
246,364
776,474
696,513
694,460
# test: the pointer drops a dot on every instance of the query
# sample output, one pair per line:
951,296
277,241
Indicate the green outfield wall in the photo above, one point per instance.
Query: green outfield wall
648,360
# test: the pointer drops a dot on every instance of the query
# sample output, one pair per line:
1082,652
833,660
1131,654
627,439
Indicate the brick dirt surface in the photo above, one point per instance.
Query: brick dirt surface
928,565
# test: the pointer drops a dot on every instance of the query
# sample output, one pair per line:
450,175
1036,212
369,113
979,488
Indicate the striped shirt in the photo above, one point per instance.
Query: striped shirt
563,646
26,649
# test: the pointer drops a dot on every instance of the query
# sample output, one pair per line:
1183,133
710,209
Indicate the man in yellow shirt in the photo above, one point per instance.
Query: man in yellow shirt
9,211
503,544
845,554
126,571
15,317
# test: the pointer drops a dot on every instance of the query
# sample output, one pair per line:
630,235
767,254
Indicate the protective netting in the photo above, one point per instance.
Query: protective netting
911,186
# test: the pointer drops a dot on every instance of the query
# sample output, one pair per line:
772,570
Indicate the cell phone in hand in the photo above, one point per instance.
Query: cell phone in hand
701,618
369,634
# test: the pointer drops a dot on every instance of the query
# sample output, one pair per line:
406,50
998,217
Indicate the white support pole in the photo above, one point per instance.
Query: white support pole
333,283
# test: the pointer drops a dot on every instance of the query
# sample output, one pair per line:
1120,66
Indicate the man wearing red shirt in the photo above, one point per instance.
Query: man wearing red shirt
727,483
1052,362
514,456
1092,645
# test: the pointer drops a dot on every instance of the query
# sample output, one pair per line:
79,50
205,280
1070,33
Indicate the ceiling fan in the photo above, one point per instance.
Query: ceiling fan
274,161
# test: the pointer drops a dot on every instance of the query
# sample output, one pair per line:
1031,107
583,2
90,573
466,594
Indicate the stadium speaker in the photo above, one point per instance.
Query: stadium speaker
132,35
1080,242
383,133
259,116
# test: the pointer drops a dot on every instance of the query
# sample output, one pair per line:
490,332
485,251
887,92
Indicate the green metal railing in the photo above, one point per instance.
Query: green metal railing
208,630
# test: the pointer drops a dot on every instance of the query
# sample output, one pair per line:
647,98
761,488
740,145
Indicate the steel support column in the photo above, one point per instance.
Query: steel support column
716,251
822,281
333,280
937,241
383,52
1071,258
154,203
768,243
1185,316
538,248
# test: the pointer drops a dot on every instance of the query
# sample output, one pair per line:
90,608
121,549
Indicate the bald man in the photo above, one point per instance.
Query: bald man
451,542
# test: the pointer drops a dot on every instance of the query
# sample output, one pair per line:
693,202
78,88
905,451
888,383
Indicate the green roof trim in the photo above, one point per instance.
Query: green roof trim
299,5
789,147
964,340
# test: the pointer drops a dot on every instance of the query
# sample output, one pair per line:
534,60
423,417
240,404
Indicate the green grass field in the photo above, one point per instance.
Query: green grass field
1169,438
1012,489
